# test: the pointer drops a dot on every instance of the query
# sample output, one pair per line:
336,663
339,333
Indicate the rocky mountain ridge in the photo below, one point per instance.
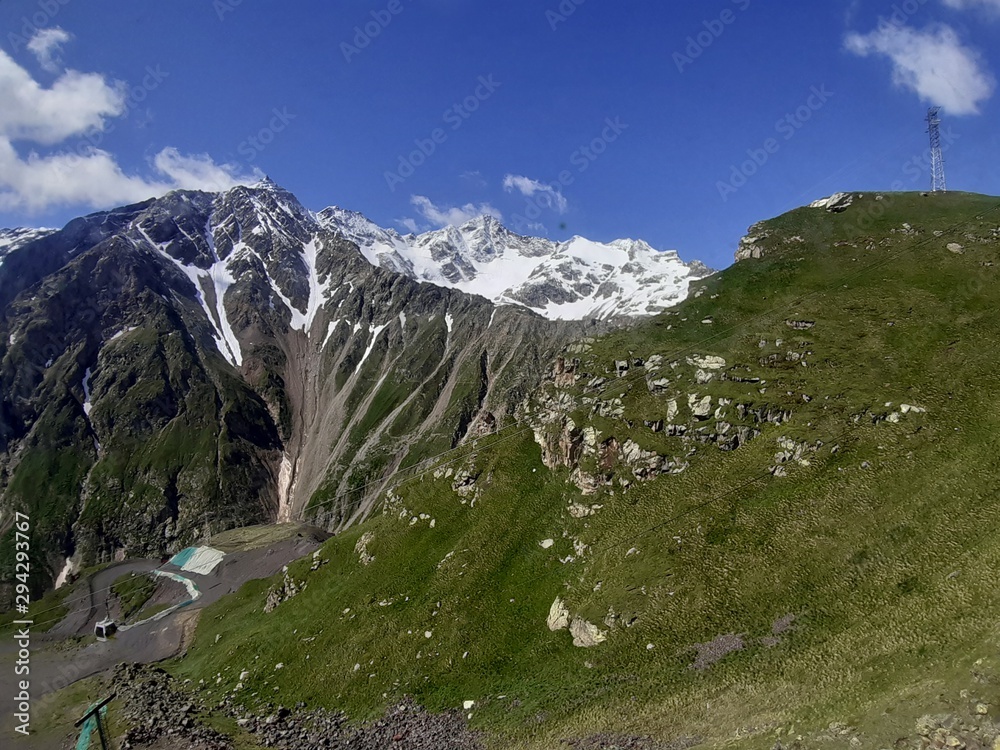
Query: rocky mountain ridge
572,280
203,361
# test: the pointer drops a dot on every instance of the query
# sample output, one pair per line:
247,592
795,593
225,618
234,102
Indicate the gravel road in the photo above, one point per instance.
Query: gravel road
57,661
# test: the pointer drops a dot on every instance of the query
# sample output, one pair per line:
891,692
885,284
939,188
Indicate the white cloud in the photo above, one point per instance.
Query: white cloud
75,103
410,225
199,171
65,117
933,63
548,195
965,4
444,216
45,44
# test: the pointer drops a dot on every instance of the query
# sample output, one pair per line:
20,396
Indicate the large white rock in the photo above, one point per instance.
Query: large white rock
708,362
700,407
586,634
835,203
558,618
672,410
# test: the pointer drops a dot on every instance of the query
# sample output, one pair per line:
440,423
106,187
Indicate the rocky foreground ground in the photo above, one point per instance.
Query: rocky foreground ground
156,712
156,708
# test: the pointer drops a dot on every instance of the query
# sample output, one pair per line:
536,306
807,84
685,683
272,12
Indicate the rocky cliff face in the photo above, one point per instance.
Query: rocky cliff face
204,361
579,419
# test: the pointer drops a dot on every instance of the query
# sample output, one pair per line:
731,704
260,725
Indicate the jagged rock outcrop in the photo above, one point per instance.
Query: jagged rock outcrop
287,589
586,634
751,245
836,203
559,617
560,415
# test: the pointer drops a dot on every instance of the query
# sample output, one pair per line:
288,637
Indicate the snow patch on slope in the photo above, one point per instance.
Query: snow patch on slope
285,490
302,320
371,344
14,239
329,332
118,334
220,278
67,570
87,405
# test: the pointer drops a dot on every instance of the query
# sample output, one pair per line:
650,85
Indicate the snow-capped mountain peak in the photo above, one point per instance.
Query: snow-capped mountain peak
576,279
265,227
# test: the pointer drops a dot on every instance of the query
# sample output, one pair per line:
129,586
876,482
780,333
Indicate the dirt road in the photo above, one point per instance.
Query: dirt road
68,652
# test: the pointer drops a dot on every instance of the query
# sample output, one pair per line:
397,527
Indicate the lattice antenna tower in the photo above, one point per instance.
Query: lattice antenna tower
938,184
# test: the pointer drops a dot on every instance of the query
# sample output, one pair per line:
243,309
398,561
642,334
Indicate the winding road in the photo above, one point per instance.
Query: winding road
57,661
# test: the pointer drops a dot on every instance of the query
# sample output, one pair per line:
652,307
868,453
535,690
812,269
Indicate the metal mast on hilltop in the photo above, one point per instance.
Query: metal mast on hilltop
937,156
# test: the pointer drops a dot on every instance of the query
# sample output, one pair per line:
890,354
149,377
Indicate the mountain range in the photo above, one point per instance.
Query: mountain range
766,517
201,361
572,280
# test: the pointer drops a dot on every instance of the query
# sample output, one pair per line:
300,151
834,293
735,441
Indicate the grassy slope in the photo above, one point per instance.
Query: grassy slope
863,557
133,591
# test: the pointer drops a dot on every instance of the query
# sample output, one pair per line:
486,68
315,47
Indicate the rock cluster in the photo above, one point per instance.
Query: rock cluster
750,246
288,588
565,373
605,741
153,708
405,726
559,616
836,203
953,733
586,634
596,461
976,731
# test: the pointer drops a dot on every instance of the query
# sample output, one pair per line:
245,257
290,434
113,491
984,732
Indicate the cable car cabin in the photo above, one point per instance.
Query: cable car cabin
105,629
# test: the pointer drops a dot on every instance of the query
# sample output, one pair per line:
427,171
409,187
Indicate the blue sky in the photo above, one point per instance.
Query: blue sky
678,123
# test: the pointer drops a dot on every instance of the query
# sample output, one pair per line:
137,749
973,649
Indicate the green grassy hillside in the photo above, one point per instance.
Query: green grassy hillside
837,563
